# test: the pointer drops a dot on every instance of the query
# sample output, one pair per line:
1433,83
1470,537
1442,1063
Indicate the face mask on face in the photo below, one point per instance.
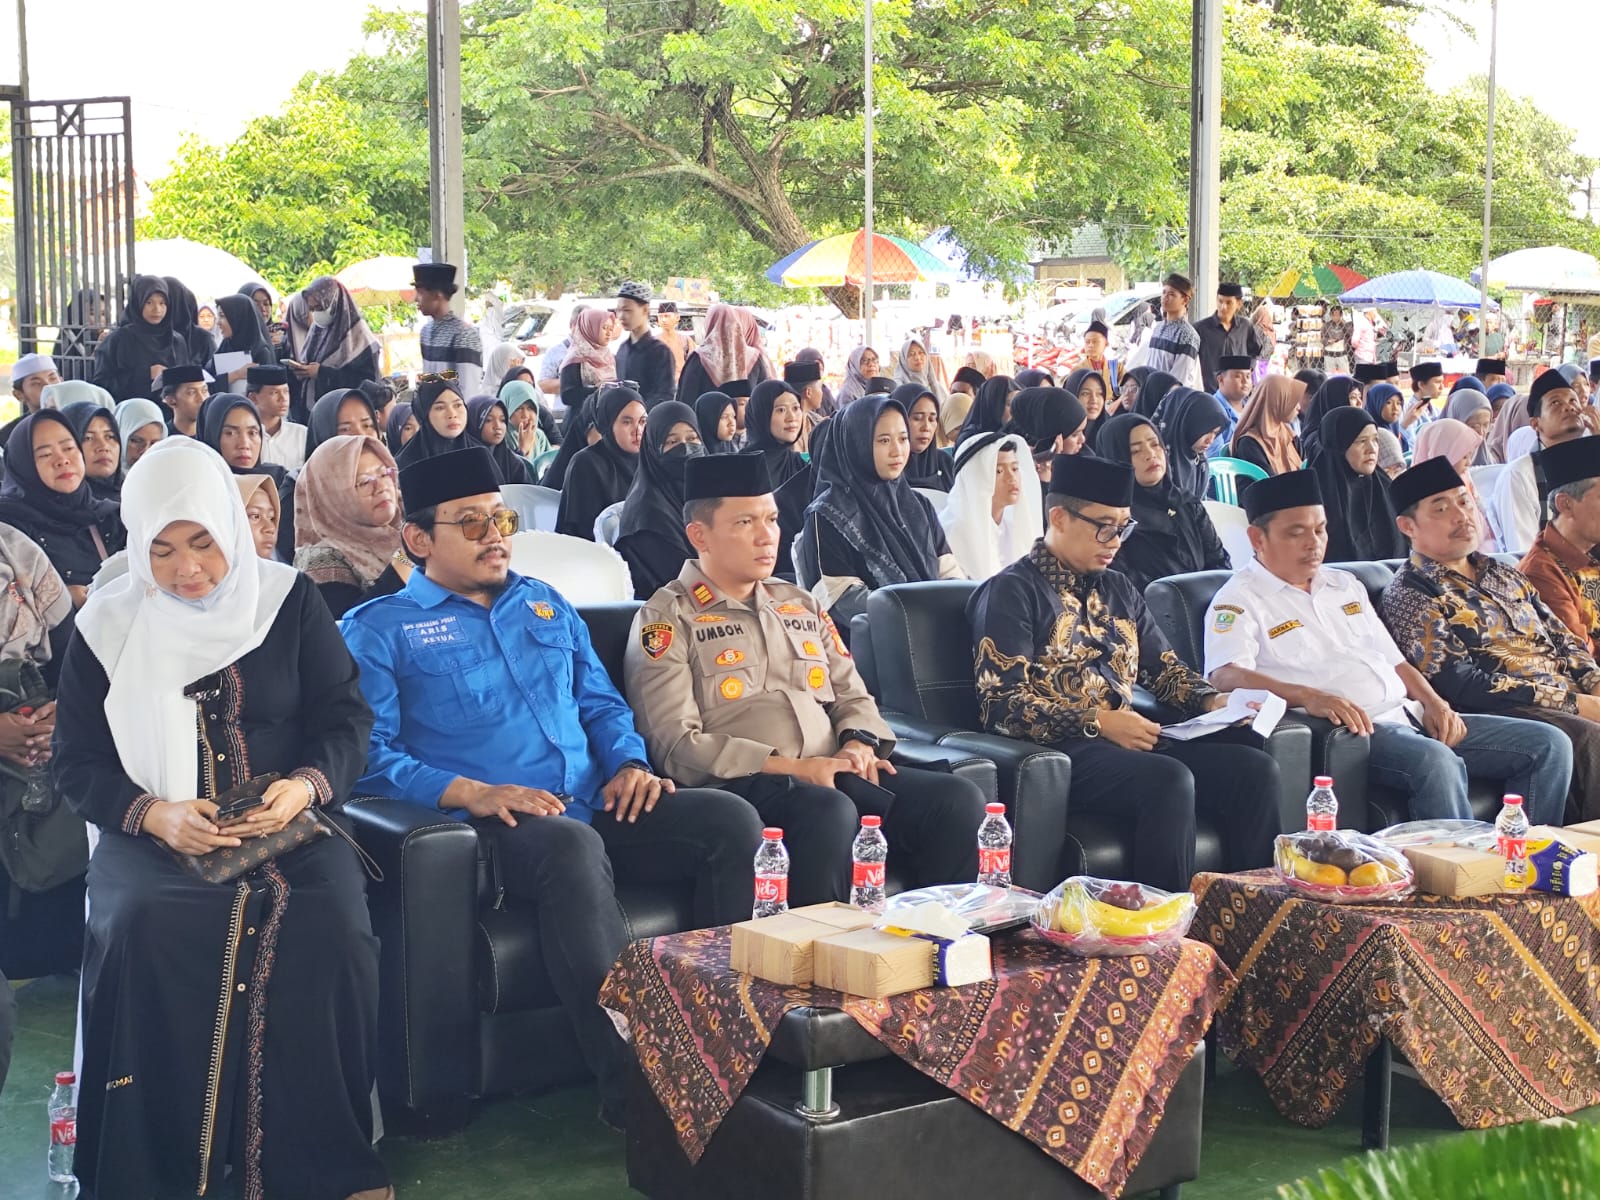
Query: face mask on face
684,450
323,318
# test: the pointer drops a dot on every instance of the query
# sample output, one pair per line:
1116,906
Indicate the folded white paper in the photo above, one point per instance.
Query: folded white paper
230,362
1261,708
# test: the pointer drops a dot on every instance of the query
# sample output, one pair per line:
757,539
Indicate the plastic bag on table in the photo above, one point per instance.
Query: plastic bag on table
985,909
1341,866
1474,835
1093,917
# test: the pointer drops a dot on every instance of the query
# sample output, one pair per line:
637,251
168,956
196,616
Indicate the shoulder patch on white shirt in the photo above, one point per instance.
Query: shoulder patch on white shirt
1224,615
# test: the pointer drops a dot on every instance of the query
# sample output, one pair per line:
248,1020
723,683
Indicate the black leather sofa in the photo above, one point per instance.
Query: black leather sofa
1180,604
921,661
466,1008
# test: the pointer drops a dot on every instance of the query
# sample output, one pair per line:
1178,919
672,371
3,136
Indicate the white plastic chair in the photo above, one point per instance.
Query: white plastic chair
583,572
934,497
1233,528
608,523
536,505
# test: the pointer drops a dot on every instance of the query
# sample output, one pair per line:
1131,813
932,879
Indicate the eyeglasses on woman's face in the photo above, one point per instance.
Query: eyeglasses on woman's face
366,483
475,526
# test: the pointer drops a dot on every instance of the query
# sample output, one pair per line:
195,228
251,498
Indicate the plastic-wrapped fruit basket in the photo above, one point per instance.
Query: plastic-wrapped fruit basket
1341,866
1095,917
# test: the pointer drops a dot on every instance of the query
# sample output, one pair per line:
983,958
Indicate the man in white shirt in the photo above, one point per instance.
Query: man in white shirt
1287,624
282,441
1555,414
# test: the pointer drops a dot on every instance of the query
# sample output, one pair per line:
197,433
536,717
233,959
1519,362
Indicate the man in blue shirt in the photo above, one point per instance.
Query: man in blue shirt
491,705
1233,386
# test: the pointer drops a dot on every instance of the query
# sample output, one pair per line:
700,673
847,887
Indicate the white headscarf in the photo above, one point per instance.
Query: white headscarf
927,377
982,547
153,644
133,415
70,391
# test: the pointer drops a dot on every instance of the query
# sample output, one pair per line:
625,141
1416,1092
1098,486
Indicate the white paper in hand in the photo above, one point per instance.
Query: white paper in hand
1261,709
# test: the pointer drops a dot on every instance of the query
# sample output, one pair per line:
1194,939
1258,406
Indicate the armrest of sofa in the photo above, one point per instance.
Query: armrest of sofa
1033,782
978,768
1337,752
425,915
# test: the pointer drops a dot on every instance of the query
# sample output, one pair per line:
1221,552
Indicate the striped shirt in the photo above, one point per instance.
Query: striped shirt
1174,347
450,344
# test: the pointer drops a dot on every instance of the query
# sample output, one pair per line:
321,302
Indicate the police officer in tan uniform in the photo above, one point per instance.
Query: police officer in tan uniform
741,680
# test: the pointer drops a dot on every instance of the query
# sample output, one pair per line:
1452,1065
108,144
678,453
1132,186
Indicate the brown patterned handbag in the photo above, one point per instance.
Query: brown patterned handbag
227,863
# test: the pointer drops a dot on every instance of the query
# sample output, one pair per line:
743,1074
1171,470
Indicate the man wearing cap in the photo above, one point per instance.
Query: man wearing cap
1490,371
1060,642
806,379
448,342
468,650
1173,345
681,344
283,441
1478,630
184,391
740,681
1427,384
643,357
1233,385
1095,340
1222,335
30,376
1309,633
1561,564
1516,508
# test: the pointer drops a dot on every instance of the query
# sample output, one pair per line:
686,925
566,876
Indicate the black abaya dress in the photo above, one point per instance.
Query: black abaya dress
194,993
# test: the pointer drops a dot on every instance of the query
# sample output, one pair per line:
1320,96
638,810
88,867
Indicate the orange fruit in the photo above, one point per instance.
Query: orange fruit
1370,875
1324,875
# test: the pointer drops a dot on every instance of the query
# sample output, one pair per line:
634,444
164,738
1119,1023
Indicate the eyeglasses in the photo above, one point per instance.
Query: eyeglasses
365,483
619,383
1104,531
437,377
476,527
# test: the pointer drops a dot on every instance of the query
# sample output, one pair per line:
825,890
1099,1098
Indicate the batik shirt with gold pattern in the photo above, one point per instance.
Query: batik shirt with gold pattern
1487,644
1052,646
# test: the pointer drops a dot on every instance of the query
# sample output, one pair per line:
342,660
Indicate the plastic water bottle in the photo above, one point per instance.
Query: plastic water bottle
772,875
63,1127
994,847
1511,834
1322,806
868,854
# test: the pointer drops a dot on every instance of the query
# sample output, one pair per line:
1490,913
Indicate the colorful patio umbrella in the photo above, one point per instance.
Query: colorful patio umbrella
1429,289
1553,270
382,280
834,261
1319,281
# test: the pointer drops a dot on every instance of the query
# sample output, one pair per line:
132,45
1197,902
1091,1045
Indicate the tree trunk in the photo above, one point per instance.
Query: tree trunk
847,299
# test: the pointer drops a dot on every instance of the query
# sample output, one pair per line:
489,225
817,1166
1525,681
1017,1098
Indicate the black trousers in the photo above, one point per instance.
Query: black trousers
1235,786
567,869
930,819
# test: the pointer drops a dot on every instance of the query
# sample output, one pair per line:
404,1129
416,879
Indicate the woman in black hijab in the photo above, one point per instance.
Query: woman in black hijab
341,412
1174,534
241,334
867,528
1336,392
186,321
231,426
1051,421
1355,493
651,536
1190,421
930,467
394,430
482,427
144,338
1030,377
1089,386
772,425
96,429
441,423
1129,387
578,433
1151,393
717,414
46,497
991,408
601,474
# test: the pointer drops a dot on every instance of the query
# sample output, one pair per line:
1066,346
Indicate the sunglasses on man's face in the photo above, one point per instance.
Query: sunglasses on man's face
475,526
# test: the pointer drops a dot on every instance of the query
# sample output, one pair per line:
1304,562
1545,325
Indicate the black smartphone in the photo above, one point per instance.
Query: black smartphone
236,809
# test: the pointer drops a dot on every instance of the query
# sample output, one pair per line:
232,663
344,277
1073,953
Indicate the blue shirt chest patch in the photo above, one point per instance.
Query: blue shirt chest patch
435,631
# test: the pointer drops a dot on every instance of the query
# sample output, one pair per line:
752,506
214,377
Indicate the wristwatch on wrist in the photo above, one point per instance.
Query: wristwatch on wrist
1091,727
870,741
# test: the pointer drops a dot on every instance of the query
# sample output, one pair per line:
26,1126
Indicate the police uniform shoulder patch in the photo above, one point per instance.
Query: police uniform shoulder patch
1280,630
791,608
1353,608
655,639
703,595
833,631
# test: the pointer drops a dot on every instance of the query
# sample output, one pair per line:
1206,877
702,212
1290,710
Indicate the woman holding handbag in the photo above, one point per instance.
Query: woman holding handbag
229,1013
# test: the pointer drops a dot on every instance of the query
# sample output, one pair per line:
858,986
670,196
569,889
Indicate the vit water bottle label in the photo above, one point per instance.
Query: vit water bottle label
64,1131
772,889
867,875
1513,848
992,861
1322,822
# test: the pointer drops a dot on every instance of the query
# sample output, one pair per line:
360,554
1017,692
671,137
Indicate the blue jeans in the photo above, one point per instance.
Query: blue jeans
1534,760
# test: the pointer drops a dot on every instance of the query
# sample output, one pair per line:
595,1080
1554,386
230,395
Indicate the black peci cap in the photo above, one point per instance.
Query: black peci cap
446,477
722,476
1415,484
436,277
1096,480
1292,489
1569,462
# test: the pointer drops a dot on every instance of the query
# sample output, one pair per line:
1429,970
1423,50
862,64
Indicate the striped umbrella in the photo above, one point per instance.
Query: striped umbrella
1319,281
841,259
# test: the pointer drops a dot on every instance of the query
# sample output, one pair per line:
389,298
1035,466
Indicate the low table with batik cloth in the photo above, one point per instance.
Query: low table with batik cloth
1076,1055
1494,1001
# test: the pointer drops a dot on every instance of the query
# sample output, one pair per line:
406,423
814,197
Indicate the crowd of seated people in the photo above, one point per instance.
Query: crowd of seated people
384,647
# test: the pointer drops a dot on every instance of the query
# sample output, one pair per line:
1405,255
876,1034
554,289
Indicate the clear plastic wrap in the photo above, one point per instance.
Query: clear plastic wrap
1341,866
1474,835
985,909
1093,917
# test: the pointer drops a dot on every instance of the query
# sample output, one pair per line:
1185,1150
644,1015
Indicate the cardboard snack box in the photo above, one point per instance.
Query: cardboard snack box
779,949
872,962
1446,869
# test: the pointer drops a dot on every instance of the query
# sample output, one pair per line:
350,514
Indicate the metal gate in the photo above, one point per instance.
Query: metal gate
73,192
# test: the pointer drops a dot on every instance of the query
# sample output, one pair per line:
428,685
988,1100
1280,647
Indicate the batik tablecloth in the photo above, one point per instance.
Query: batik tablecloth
1493,1000
1077,1055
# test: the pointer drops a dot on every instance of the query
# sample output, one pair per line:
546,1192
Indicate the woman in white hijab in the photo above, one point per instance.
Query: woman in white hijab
201,668
994,513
